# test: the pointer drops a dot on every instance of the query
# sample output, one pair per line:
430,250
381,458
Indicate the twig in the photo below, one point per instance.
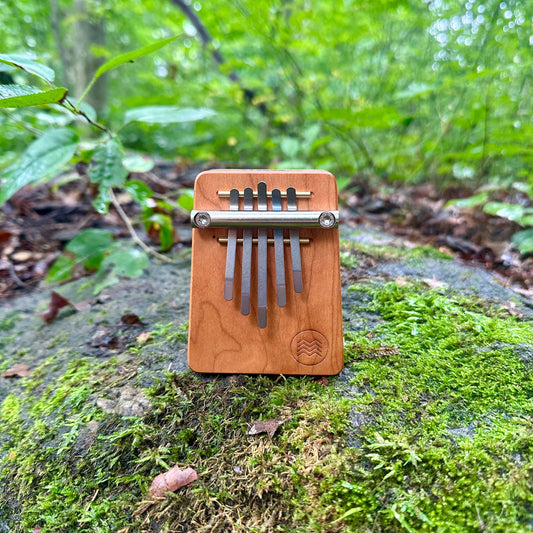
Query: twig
78,112
13,274
132,231
207,41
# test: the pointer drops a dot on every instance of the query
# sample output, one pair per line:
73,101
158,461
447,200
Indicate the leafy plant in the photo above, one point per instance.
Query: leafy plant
46,156
515,212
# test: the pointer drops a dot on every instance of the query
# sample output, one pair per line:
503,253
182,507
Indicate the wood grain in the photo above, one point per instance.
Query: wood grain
305,336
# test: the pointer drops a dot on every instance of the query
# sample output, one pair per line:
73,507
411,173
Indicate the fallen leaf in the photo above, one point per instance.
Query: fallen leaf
103,338
84,305
131,319
20,370
265,426
434,283
145,336
172,480
56,303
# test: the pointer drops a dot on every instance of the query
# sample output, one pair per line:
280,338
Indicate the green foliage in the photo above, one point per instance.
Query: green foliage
518,213
125,58
28,65
107,171
408,91
45,157
96,250
161,114
524,241
42,159
90,247
23,95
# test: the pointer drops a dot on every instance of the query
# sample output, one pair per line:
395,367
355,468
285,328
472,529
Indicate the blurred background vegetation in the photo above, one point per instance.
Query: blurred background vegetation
396,90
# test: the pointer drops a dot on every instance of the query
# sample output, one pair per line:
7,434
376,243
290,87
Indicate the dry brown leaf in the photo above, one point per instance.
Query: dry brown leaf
56,303
144,337
434,283
265,426
172,480
20,370
131,319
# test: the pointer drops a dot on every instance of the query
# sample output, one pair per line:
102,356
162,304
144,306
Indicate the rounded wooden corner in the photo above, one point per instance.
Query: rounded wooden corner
205,174
195,369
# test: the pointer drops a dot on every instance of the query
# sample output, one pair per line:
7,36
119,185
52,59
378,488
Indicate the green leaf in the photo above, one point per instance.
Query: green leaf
526,188
90,246
140,192
125,58
24,95
138,163
471,201
42,159
61,270
186,199
165,229
102,200
106,165
166,114
290,147
502,209
415,89
523,240
129,262
28,65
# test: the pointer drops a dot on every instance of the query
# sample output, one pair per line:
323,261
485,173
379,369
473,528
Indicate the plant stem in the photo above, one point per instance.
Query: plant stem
132,231
75,111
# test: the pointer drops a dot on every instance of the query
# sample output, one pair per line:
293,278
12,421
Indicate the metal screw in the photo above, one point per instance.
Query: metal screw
326,220
202,219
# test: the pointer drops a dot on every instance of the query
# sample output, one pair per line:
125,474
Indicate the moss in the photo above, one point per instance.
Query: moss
68,466
350,249
449,447
9,322
445,442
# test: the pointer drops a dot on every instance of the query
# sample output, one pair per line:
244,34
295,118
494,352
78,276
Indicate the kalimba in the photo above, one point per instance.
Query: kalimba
265,282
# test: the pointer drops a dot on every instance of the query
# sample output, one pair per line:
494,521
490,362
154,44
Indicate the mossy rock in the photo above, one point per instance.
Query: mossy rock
428,427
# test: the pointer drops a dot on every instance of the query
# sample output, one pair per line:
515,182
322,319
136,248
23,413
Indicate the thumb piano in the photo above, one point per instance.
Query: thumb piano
265,281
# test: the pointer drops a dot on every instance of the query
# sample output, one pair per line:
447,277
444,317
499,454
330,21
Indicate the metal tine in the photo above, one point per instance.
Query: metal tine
279,253
232,247
246,255
294,235
262,246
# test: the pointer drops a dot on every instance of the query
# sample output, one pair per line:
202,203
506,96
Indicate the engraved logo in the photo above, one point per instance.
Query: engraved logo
309,347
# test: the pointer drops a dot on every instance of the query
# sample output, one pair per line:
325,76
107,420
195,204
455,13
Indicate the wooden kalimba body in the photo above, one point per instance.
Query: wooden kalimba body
265,283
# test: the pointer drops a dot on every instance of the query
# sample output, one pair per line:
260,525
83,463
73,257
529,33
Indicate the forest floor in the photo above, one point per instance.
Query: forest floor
428,427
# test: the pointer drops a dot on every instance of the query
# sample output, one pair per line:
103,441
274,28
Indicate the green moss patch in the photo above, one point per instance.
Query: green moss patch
428,429
449,446
69,466
353,251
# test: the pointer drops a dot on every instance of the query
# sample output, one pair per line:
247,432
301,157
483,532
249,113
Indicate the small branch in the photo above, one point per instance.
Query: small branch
207,41
75,111
132,231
